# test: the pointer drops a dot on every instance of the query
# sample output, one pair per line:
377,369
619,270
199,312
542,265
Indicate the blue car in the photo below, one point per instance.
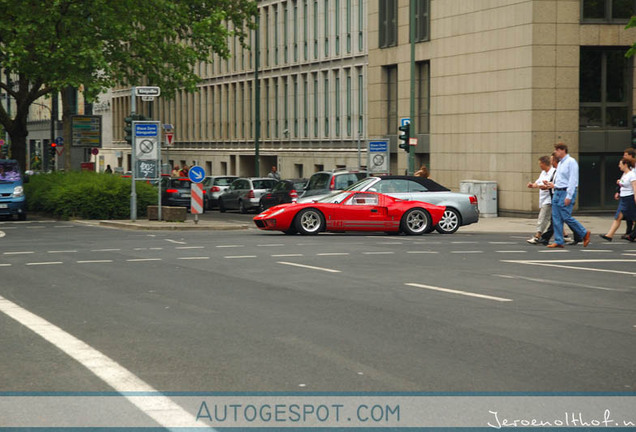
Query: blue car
12,199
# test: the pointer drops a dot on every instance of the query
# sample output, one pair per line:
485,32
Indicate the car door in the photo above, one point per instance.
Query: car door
363,211
230,197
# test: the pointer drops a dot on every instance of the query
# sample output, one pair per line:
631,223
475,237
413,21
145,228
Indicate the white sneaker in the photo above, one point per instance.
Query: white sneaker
533,240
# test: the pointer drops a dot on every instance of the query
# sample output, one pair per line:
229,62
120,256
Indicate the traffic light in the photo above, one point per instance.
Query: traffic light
634,131
128,125
4,150
405,135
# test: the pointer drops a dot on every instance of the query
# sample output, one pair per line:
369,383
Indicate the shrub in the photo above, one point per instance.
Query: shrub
86,195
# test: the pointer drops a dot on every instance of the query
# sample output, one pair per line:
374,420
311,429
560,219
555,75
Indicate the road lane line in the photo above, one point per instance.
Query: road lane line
190,247
19,253
286,255
309,267
175,241
44,263
94,261
239,256
160,408
512,251
62,251
552,264
555,282
5,265
378,253
194,258
105,250
332,254
270,245
230,246
554,251
143,259
464,293
422,252
467,252
2,234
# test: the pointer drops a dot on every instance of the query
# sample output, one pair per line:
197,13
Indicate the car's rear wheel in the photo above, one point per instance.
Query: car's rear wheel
242,207
415,221
222,208
450,222
309,222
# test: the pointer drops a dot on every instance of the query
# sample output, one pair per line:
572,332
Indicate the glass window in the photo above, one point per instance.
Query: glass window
421,20
388,23
607,10
391,86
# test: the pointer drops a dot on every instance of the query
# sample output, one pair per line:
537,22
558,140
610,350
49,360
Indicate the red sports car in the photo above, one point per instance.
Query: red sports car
352,211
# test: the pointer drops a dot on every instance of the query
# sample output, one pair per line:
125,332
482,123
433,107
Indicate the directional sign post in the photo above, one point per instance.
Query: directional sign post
146,154
196,175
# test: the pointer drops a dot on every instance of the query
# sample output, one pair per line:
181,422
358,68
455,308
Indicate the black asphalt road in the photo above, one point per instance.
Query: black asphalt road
256,311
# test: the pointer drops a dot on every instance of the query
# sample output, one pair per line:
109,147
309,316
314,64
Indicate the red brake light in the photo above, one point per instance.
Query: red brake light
250,194
216,189
332,183
473,199
172,191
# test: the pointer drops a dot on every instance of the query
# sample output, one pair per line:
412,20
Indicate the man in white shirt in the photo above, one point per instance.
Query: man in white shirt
629,153
565,187
545,198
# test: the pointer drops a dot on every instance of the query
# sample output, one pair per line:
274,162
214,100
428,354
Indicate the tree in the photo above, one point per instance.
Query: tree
632,23
49,45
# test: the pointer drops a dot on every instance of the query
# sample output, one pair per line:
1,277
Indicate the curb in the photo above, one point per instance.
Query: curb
160,226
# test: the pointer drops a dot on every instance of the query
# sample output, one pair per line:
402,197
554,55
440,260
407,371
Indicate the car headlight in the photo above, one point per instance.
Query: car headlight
18,191
277,212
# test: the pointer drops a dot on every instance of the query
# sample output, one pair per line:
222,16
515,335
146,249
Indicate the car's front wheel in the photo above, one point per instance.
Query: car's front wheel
450,222
416,221
309,222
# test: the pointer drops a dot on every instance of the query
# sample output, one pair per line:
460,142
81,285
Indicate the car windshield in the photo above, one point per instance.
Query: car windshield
318,181
9,171
362,184
180,184
335,199
264,184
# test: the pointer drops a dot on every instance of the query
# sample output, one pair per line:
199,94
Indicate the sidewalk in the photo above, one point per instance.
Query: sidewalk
523,226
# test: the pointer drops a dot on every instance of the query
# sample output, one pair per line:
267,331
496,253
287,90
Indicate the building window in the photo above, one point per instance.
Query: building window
295,24
348,25
607,10
605,88
315,29
336,17
276,26
360,103
348,103
422,20
266,35
295,114
305,30
305,106
286,105
276,109
267,101
388,23
391,85
337,102
326,90
286,33
315,105
360,25
326,19
423,97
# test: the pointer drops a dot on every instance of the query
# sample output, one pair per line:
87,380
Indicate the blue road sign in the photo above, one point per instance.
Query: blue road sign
196,174
59,141
146,129
404,121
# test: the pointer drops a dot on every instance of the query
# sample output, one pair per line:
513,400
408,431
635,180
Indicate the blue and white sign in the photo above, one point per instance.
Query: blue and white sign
146,140
404,121
146,129
196,174
378,156
59,141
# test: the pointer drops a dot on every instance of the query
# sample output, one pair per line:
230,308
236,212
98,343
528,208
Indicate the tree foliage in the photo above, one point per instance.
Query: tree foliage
632,23
49,45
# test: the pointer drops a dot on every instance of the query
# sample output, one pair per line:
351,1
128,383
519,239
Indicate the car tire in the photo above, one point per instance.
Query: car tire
415,221
450,222
242,207
222,208
309,222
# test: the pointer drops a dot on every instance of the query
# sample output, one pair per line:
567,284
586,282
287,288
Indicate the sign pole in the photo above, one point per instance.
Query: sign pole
133,190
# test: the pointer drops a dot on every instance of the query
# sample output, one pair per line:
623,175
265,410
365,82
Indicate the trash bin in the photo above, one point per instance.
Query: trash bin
486,192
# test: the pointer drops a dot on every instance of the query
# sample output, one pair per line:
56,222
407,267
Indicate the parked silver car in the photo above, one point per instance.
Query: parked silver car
461,209
244,194
214,186
325,182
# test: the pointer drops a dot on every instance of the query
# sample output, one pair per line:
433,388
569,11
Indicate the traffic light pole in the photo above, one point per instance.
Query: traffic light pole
411,169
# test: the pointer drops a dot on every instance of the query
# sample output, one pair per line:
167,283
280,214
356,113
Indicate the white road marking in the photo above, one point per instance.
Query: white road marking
5,265
501,242
35,227
464,293
2,234
239,256
194,258
286,255
44,263
62,251
597,250
94,261
155,248
143,259
422,252
160,408
230,246
390,243
553,264
190,247
333,254
174,241
555,282
467,252
511,251
19,253
309,267
62,226
554,251
464,242
378,253
105,250
270,245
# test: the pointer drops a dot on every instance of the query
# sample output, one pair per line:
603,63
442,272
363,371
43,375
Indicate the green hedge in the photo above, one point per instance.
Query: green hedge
86,195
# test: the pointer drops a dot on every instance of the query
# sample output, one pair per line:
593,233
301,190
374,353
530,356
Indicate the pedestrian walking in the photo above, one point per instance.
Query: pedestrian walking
629,153
545,198
108,170
627,199
565,187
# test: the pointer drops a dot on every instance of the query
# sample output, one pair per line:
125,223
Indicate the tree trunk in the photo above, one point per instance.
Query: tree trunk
68,110
18,133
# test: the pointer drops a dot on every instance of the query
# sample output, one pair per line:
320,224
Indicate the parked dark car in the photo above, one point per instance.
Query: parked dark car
244,194
286,191
325,182
176,192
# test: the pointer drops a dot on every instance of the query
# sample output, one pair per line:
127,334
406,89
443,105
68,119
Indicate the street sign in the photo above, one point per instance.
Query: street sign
86,131
147,91
59,141
378,156
404,121
147,98
94,151
413,141
169,138
196,174
146,140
